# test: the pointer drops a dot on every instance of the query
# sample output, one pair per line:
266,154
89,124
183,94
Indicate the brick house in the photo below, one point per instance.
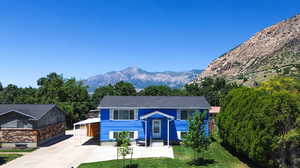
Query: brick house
29,125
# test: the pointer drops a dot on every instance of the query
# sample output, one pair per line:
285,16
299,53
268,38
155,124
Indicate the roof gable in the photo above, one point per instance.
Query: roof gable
156,113
154,102
35,111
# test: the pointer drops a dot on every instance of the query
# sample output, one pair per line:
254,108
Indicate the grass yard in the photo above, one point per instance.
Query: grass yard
4,158
215,157
18,150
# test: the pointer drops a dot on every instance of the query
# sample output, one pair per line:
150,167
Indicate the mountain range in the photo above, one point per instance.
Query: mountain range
271,52
141,78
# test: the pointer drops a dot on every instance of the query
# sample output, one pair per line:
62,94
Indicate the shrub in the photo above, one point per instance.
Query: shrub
253,121
123,138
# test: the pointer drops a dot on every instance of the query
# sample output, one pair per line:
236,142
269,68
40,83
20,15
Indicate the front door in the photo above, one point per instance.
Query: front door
156,128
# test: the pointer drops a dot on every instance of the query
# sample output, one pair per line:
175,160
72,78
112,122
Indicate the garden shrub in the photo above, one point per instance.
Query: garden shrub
123,138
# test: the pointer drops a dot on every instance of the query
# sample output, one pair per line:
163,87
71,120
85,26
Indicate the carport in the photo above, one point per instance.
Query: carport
88,127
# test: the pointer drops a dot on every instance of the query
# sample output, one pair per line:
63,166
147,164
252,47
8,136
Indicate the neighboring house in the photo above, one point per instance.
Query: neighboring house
214,110
162,118
29,125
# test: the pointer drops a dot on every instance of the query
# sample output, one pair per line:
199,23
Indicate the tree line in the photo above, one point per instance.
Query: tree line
212,89
71,95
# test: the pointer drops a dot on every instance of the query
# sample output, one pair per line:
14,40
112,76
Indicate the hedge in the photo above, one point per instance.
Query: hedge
255,121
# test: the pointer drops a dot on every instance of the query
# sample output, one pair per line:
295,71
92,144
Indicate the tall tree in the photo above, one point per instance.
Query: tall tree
68,94
100,92
27,96
212,88
50,88
159,90
124,89
10,93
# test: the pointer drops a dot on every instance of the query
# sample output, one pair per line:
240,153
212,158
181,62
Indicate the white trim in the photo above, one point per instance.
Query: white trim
111,134
135,135
135,114
157,112
111,114
179,135
88,121
146,133
168,133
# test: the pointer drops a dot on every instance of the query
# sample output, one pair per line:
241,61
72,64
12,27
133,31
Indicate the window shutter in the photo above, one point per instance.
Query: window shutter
179,135
111,114
111,135
135,136
135,114
178,114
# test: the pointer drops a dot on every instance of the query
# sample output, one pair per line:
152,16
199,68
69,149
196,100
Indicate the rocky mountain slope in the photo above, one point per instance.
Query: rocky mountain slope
141,78
270,52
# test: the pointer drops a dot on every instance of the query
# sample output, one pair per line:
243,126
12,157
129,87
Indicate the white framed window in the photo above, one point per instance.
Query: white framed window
181,134
114,134
123,114
185,114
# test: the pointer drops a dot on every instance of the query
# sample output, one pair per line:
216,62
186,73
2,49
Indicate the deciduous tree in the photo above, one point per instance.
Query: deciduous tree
196,137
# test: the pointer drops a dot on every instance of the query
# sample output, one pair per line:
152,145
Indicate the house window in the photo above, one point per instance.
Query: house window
181,134
20,124
123,114
116,134
21,146
186,114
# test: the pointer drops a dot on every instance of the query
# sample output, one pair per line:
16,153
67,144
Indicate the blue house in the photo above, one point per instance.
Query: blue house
149,118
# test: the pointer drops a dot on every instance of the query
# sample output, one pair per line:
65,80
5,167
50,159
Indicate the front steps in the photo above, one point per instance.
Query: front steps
157,143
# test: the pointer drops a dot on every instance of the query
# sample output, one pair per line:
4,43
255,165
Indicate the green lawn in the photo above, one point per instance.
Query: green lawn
8,157
18,150
215,157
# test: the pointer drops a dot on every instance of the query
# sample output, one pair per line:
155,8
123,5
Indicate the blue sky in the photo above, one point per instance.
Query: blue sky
82,38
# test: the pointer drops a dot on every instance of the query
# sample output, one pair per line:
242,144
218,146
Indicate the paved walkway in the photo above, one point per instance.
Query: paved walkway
74,151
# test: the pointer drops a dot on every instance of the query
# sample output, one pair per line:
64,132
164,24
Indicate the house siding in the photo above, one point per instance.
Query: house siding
33,132
54,116
10,120
108,125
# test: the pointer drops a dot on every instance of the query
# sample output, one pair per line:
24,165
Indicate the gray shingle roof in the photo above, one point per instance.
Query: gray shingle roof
155,102
34,110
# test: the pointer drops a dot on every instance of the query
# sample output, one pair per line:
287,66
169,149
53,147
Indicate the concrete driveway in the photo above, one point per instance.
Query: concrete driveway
75,150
